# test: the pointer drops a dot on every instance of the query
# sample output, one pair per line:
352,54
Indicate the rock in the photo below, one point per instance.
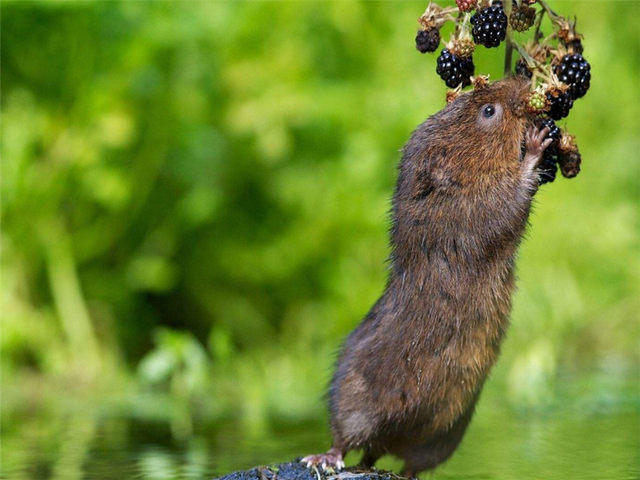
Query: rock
297,471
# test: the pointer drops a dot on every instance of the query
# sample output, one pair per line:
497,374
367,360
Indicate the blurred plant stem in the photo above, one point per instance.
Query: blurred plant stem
75,446
69,300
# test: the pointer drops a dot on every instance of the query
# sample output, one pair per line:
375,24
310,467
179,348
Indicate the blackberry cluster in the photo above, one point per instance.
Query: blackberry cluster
560,104
575,71
490,25
454,70
428,40
523,69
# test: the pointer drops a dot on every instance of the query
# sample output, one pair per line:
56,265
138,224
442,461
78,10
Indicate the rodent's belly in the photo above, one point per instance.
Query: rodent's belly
451,381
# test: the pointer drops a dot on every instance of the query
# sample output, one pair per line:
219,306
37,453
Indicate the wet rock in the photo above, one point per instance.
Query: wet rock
297,471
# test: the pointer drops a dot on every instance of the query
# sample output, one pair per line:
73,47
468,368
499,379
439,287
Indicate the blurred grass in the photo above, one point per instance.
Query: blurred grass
195,196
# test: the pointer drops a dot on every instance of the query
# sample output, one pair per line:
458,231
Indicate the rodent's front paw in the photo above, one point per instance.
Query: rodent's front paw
536,145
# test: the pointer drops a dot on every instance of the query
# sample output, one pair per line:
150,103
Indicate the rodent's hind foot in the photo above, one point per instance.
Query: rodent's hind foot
332,459
409,473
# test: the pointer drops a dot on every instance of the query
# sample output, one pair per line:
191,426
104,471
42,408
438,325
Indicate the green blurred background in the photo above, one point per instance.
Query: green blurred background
195,198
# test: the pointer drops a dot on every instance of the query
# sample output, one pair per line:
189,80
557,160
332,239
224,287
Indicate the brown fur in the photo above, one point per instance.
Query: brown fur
409,376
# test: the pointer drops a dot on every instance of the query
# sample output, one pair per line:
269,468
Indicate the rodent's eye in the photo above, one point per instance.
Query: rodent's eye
490,115
488,111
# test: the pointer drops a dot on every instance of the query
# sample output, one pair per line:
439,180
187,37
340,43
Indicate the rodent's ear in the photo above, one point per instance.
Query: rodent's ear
490,114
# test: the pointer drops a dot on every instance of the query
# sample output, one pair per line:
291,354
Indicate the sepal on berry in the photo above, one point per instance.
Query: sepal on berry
451,95
480,81
435,16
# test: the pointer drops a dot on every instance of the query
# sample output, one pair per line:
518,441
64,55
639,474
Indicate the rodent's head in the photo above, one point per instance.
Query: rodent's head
498,108
480,131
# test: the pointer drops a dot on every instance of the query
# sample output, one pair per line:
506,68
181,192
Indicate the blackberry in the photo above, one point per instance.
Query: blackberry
569,163
462,47
547,170
523,69
560,104
536,103
454,70
489,25
522,18
428,40
466,5
575,71
554,133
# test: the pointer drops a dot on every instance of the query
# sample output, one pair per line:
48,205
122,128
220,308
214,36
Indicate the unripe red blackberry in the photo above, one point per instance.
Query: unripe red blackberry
489,25
428,40
454,70
559,104
574,71
466,5
522,18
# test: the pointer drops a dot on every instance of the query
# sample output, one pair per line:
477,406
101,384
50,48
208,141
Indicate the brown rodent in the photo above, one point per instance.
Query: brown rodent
409,376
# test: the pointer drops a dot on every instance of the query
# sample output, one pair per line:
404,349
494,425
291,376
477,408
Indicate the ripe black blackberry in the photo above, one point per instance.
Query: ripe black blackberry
547,170
523,69
554,133
549,167
428,40
575,71
489,25
560,104
454,70
569,163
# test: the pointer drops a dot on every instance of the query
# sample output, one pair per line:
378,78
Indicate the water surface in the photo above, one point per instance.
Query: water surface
574,442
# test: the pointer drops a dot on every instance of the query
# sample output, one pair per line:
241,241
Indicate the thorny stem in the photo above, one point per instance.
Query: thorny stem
508,51
536,36
460,15
531,62
552,15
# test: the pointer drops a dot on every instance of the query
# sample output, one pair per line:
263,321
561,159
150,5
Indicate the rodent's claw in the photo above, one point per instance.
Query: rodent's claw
536,144
535,141
324,460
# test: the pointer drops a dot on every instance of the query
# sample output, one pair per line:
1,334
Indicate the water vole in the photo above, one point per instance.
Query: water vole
409,376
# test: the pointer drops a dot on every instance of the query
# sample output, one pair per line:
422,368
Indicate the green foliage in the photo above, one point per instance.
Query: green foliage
178,358
225,168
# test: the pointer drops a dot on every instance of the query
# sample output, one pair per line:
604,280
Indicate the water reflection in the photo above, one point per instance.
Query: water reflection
86,443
